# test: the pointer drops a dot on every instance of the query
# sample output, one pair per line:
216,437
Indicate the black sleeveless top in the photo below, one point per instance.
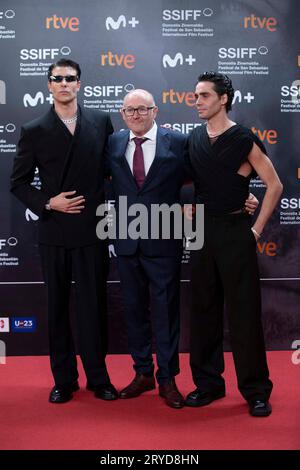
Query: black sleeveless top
215,168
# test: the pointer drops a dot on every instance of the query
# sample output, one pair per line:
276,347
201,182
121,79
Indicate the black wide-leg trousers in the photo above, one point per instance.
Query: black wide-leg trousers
88,265
225,270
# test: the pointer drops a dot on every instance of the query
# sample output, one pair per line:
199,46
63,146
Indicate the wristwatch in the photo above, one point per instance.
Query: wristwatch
47,206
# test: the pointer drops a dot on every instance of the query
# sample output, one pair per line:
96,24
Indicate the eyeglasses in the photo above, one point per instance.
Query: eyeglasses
141,110
60,78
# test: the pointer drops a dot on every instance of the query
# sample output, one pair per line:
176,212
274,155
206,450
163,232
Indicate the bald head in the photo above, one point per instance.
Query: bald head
142,94
139,111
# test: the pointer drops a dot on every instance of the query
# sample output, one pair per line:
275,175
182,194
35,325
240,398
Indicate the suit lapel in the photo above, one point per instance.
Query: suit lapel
54,128
162,150
121,151
84,137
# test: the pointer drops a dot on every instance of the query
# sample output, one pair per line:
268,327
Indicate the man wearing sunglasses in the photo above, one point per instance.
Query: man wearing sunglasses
66,145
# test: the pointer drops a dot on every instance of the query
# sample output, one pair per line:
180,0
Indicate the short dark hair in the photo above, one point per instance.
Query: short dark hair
222,85
65,63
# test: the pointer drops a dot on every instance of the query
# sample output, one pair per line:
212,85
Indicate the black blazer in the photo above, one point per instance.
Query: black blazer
64,164
161,186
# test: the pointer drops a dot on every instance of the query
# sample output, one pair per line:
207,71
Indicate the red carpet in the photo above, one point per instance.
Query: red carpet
28,421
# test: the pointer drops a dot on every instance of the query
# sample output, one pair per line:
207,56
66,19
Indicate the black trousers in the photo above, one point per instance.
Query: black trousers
154,280
89,267
226,269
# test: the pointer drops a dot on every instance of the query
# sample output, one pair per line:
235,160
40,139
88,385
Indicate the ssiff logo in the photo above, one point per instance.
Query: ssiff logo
10,127
11,241
4,325
23,324
110,23
7,14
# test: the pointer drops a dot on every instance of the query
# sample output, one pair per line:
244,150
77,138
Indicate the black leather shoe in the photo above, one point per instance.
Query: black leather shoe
63,393
200,398
104,391
139,385
260,408
171,394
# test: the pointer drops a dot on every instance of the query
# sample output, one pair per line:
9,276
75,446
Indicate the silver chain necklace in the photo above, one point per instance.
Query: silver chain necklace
70,121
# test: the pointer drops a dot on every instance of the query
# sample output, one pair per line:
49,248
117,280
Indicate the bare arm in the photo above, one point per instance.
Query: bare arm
266,171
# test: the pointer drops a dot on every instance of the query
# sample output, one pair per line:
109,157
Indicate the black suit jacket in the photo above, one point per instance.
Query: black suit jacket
161,186
64,164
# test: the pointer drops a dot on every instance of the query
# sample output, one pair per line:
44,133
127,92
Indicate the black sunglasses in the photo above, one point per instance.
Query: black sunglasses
59,78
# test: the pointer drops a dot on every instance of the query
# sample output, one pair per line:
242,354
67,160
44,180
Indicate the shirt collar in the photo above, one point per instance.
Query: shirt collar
151,134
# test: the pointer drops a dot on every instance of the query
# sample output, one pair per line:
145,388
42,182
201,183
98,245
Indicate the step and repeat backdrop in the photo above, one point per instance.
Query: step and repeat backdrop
161,46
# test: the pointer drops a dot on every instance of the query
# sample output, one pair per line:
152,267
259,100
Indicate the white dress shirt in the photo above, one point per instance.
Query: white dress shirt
149,148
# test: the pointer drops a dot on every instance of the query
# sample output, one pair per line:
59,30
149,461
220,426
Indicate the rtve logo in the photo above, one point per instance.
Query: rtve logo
269,135
58,22
7,14
10,127
39,98
119,60
2,92
178,97
186,15
167,60
241,52
42,54
110,23
11,241
256,22
267,248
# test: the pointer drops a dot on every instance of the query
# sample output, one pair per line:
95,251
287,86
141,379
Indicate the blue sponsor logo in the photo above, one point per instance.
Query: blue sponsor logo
23,324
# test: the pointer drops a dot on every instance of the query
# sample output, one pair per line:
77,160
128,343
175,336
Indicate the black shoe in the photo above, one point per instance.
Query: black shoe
260,408
63,393
103,391
200,398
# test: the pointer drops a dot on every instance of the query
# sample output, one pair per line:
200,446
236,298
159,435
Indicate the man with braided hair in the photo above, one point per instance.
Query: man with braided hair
224,157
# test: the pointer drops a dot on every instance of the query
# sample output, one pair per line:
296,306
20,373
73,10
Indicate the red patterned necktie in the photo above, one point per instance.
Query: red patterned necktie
138,167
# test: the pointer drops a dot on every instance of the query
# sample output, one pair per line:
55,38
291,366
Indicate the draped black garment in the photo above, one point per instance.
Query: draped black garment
215,168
